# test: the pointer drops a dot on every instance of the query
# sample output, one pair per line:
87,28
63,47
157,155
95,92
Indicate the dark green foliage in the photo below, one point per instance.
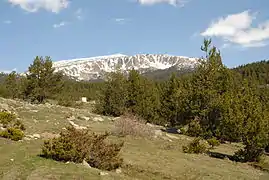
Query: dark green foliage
42,81
257,71
143,97
194,128
133,94
78,145
113,97
195,147
6,118
13,128
12,133
213,142
17,124
12,85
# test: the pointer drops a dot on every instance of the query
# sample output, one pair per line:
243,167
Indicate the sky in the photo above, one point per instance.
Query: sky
67,29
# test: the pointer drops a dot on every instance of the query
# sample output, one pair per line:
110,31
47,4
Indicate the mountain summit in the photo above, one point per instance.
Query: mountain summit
95,67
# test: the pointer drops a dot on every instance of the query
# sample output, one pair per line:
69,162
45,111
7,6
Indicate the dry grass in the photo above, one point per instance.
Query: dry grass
133,126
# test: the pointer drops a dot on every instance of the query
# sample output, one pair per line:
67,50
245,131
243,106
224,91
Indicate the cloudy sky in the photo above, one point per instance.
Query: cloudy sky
65,29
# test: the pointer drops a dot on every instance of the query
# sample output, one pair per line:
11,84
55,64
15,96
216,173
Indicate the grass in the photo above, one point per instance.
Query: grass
143,158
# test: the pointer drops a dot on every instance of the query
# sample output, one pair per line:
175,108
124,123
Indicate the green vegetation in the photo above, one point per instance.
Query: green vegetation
12,133
79,145
213,142
195,147
13,129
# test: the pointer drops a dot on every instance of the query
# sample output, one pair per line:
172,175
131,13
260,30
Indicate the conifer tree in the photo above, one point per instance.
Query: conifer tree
113,98
11,83
170,100
41,81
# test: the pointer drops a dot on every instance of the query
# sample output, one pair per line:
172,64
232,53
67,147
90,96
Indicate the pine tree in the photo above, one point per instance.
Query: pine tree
11,83
135,89
255,126
113,98
170,100
41,81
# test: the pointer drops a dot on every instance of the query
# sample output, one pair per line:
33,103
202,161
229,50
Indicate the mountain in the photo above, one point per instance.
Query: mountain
95,68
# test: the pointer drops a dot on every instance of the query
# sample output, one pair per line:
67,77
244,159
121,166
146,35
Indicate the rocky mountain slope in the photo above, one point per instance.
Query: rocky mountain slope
96,67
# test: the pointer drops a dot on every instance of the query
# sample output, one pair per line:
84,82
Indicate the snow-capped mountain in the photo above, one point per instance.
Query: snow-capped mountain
95,67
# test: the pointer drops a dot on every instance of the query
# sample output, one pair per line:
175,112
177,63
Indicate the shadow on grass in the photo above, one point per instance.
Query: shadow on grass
260,166
171,130
221,155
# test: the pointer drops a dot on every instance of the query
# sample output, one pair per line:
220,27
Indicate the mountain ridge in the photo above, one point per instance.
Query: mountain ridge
93,68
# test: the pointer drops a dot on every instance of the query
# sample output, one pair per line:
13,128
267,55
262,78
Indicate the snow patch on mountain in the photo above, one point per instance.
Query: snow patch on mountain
95,67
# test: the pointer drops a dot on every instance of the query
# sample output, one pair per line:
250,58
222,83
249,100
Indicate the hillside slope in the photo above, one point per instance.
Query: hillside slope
145,159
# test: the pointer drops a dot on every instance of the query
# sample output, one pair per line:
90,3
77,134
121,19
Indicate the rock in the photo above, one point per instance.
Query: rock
47,135
166,138
76,126
103,173
26,139
35,111
118,171
2,128
85,118
71,118
11,159
171,136
158,133
84,163
96,119
36,136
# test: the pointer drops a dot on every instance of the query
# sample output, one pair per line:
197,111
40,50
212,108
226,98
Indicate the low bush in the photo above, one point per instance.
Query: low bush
132,125
66,101
195,147
248,154
12,133
13,129
194,128
78,145
213,142
6,118
18,125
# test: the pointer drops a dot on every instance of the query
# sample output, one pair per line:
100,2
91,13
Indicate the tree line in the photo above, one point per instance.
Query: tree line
211,102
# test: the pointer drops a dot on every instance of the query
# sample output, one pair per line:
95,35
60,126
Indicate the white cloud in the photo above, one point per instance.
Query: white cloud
171,2
63,23
54,6
7,22
238,29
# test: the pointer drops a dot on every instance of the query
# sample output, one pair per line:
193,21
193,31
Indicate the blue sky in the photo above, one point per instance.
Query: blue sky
65,29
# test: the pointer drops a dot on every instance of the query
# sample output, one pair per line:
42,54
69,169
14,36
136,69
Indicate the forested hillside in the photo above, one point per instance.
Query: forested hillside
257,71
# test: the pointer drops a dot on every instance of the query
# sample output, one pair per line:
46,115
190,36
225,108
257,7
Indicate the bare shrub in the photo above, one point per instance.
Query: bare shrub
132,125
